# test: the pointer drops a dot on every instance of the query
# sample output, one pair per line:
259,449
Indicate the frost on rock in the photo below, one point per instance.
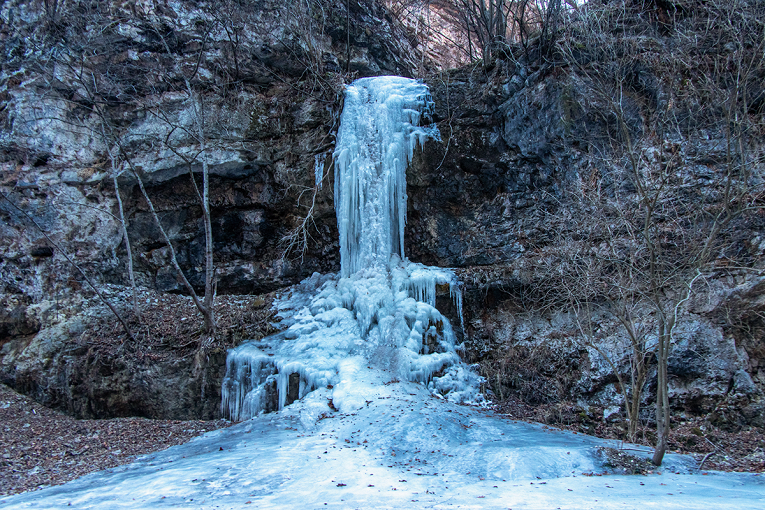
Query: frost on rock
380,312
318,169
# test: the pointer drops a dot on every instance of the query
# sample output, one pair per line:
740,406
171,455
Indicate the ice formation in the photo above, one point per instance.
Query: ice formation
318,169
379,129
380,312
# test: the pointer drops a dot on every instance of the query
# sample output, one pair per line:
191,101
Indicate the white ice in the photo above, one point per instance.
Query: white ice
379,130
318,169
374,315
381,307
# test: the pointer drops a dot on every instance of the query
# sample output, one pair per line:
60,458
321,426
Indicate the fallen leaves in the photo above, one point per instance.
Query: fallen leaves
41,447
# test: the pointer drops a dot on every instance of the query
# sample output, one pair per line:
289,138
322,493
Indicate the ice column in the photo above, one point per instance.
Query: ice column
379,129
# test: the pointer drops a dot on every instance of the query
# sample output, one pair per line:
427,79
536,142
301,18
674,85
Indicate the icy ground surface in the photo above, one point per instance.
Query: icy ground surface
404,448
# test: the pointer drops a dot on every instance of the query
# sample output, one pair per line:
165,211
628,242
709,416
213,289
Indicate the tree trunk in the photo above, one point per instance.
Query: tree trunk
136,308
206,307
208,311
209,268
173,258
662,397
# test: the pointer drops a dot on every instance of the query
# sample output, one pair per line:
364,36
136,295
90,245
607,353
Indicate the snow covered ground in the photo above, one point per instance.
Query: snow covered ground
403,448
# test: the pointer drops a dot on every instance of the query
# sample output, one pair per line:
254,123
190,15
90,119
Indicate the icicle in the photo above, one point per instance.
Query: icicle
318,168
247,370
455,292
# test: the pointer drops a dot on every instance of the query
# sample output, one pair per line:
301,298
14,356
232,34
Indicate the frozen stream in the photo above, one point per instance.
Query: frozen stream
355,403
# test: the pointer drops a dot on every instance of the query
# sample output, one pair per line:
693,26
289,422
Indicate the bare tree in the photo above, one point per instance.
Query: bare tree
197,132
482,29
72,79
90,77
589,274
650,234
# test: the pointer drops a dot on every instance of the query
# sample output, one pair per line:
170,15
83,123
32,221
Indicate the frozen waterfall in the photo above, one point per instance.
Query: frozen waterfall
379,313
379,129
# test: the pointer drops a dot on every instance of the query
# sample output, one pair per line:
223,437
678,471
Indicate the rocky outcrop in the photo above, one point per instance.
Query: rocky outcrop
93,90
517,139
269,83
82,364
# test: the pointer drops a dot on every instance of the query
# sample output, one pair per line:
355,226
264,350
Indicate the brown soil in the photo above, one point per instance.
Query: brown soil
714,448
41,447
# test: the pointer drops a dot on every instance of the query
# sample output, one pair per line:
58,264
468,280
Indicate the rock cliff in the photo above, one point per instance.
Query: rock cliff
94,91
510,191
494,200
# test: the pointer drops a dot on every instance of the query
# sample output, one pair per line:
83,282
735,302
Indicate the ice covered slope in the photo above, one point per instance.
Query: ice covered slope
381,308
402,449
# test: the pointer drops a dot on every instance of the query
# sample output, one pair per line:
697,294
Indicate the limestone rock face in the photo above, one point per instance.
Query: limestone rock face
91,91
485,200
707,366
76,363
267,80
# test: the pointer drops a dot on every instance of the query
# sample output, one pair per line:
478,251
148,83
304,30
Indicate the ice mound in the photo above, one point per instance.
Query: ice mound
380,312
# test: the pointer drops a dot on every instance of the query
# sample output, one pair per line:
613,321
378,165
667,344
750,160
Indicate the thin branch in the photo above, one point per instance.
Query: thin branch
77,267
